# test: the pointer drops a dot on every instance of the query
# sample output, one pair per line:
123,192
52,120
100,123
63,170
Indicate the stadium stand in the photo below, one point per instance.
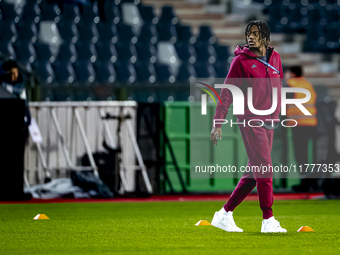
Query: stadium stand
106,51
9,31
171,41
105,72
68,30
45,52
86,51
108,31
27,30
25,51
148,15
67,51
90,13
31,12
45,72
71,12
50,11
6,48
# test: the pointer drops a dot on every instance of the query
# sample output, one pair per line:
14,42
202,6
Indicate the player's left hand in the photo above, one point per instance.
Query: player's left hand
215,133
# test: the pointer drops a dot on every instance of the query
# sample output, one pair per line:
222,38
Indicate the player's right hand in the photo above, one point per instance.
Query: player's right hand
215,133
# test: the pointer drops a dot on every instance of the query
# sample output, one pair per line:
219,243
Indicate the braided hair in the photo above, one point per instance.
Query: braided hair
263,28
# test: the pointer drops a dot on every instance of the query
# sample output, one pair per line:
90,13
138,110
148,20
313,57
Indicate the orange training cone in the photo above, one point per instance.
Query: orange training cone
41,217
203,223
305,229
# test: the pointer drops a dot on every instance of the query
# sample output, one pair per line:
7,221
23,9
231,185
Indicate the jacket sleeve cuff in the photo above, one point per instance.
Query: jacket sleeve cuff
218,123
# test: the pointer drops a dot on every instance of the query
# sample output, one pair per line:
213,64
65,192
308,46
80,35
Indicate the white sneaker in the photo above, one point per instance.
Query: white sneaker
226,222
272,226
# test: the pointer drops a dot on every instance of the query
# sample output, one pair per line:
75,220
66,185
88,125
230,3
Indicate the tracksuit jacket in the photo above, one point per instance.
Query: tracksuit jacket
246,71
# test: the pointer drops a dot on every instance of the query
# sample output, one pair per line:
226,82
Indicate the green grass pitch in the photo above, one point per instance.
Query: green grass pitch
165,228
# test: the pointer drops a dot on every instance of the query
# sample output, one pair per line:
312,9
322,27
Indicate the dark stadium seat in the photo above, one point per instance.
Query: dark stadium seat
315,14
333,14
206,34
221,69
332,32
314,32
163,74
64,72
148,15
67,52
146,77
68,30
31,12
168,15
126,73
146,72
10,12
186,72
45,72
167,32
297,18
204,69
111,12
50,11
126,34
25,51
85,77
314,46
104,86
86,51
90,12
105,72
205,51
45,52
85,74
315,38
6,49
8,31
146,51
106,51
222,52
71,12
108,31
277,13
88,31
148,33
186,51
185,34
126,52
27,30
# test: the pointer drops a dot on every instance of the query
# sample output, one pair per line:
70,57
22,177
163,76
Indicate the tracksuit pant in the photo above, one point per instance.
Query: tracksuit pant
258,142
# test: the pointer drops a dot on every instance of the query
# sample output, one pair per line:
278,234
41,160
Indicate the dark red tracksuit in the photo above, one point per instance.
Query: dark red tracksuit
245,71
